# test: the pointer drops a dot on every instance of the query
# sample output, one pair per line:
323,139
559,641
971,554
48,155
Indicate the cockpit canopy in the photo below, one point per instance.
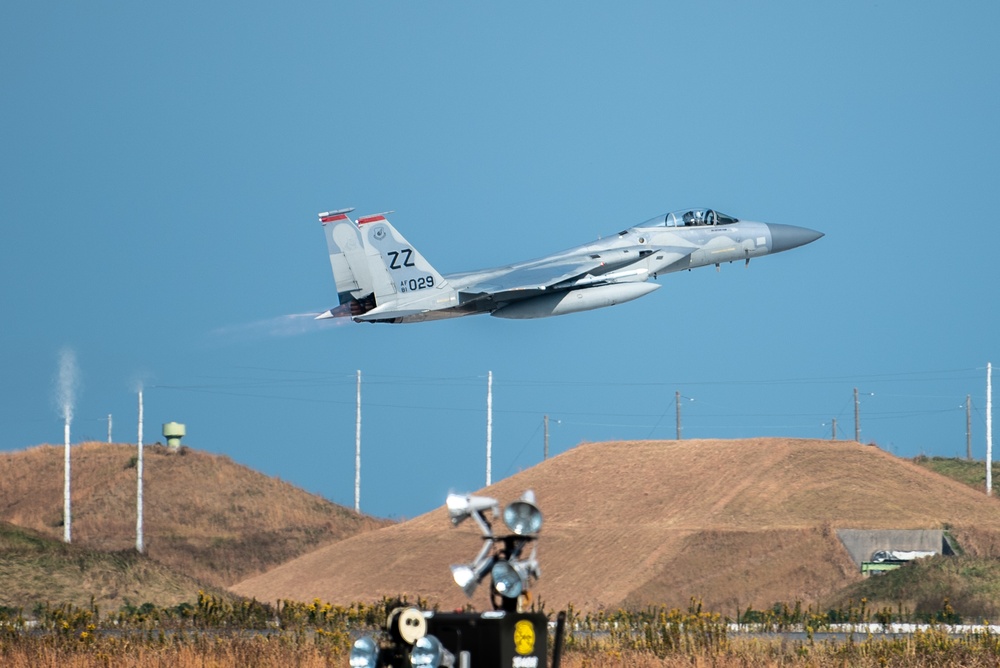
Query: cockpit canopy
690,218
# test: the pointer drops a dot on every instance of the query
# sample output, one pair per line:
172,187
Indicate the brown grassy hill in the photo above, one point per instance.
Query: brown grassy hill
204,515
37,569
735,523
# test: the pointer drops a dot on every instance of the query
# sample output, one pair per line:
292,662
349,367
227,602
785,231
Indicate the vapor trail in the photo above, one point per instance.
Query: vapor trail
67,383
292,324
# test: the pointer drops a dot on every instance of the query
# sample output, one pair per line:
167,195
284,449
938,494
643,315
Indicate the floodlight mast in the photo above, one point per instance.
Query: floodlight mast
484,525
500,555
508,636
513,546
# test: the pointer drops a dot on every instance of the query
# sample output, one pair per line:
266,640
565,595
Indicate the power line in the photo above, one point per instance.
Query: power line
348,377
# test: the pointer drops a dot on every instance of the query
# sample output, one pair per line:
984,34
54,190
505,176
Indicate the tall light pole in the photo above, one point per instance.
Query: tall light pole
857,417
989,429
545,450
968,427
357,451
489,429
67,385
677,400
857,414
138,494
67,510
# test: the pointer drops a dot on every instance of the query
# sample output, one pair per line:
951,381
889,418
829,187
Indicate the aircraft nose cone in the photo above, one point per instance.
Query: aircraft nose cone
786,237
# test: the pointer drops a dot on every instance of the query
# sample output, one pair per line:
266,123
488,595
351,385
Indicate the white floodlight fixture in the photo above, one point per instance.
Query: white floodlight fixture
428,651
468,576
506,580
364,653
511,577
522,516
461,506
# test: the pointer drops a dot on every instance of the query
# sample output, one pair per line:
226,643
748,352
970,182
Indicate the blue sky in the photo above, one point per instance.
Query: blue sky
162,168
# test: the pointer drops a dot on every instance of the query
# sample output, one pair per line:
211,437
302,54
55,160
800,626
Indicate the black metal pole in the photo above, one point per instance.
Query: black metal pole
558,642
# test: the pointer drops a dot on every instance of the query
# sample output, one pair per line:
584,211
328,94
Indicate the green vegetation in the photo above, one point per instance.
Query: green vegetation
967,471
655,630
657,636
224,633
215,630
916,591
35,569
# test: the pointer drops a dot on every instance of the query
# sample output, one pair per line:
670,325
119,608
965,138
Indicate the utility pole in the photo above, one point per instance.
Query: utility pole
545,451
857,418
67,381
489,429
968,427
357,452
138,492
989,429
677,399
67,509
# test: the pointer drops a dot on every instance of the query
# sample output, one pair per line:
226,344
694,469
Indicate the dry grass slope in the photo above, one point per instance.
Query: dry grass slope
36,569
736,523
204,515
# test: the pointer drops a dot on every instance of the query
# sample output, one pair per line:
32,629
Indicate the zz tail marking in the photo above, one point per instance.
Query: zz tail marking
407,261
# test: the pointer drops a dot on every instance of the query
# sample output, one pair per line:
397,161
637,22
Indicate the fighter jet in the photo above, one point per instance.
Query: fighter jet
381,277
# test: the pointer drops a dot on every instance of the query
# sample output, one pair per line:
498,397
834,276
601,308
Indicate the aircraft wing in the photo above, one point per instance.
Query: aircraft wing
609,266
531,280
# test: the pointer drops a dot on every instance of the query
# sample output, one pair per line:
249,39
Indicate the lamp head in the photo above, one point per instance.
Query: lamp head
428,651
506,580
511,578
522,516
461,506
467,576
364,653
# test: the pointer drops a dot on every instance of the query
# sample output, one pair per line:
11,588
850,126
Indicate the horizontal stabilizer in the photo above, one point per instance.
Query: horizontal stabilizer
387,313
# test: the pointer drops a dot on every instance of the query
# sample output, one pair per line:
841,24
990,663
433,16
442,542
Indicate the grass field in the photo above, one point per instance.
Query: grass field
738,523
218,634
205,516
930,650
761,513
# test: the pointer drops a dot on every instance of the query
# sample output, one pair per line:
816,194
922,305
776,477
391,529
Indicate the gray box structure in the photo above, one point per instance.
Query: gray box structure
861,544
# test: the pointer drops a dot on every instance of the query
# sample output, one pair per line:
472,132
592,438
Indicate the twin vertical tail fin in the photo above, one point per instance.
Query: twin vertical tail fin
350,266
399,273
376,268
